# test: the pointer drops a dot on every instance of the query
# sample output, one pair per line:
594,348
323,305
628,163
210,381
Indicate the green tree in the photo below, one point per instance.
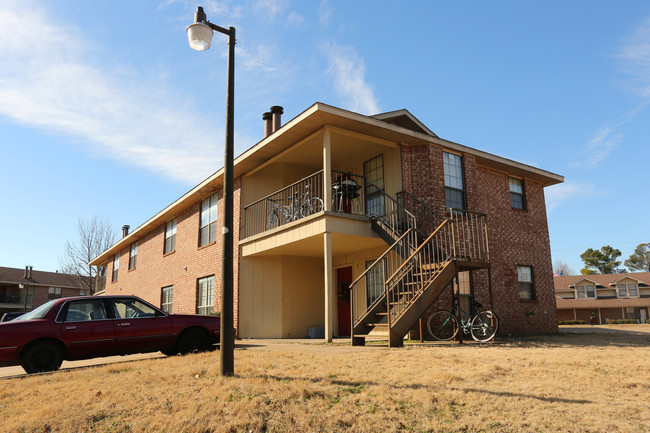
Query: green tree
640,260
601,261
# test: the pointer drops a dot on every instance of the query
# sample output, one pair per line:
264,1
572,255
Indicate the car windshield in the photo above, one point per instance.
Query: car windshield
38,313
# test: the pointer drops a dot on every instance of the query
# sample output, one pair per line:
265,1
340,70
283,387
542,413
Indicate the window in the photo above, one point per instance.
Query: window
375,281
116,267
54,293
82,311
517,197
622,290
133,255
84,292
208,232
205,295
629,313
167,299
631,290
373,170
170,237
454,190
587,291
130,308
526,287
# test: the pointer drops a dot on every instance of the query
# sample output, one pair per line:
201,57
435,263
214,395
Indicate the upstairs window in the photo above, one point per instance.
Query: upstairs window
587,291
54,293
133,255
167,299
205,295
454,184
526,286
622,290
116,267
170,237
517,197
373,171
631,290
208,231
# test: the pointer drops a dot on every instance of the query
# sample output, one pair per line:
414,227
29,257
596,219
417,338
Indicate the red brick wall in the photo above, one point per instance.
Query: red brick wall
182,267
516,237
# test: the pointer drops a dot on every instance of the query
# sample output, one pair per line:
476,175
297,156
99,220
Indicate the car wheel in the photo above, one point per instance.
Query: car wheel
193,341
41,357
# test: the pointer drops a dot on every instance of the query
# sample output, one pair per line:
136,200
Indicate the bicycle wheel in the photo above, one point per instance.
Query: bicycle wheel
312,206
484,326
272,220
442,325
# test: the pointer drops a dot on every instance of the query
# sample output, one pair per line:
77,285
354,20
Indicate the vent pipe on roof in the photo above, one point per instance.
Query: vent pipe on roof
268,126
125,230
28,272
276,112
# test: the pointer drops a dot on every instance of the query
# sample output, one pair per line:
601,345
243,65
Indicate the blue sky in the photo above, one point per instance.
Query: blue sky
105,110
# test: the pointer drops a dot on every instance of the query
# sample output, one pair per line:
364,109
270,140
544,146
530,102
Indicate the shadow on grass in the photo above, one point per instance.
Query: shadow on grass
432,388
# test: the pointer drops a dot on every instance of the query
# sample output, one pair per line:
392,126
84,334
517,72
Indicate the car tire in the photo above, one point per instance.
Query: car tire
193,341
42,357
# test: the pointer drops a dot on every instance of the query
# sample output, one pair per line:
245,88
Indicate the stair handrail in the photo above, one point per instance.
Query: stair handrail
368,269
421,204
410,219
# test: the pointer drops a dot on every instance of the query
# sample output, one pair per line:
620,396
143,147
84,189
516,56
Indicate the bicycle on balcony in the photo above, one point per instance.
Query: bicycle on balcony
481,325
299,206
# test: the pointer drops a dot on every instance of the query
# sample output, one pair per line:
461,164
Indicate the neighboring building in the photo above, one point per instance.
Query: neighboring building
599,298
26,289
292,263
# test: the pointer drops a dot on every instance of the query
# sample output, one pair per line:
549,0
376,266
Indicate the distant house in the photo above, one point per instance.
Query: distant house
332,197
596,299
26,289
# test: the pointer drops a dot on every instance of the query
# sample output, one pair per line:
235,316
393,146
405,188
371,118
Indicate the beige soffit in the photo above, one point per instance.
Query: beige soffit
306,123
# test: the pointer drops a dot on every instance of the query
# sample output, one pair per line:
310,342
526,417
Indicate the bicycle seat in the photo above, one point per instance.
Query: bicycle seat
478,304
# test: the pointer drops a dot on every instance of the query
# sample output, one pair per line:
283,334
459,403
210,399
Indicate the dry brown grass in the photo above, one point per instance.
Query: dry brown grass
564,383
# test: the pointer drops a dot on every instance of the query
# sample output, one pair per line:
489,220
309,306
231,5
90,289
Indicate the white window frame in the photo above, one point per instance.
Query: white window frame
169,245
621,290
133,255
208,220
167,299
205,295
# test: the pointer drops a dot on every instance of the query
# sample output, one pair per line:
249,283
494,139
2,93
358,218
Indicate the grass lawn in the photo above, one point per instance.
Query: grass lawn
562,383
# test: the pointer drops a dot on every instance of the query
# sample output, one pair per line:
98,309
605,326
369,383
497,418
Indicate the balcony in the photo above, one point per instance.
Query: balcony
304,198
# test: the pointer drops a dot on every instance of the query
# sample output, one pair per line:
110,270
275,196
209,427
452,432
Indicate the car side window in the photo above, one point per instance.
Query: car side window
81,311
132,308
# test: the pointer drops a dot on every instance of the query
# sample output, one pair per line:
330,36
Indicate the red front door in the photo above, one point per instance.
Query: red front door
343,279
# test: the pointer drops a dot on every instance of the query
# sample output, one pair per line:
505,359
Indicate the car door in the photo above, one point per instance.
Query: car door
139,327
87,329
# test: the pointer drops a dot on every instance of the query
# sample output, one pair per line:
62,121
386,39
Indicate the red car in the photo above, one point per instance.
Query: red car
91,326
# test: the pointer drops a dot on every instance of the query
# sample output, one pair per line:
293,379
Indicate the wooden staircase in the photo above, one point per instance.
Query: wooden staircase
414,273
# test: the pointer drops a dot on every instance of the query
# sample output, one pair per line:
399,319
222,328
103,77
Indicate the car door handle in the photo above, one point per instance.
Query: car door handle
70,327
123,324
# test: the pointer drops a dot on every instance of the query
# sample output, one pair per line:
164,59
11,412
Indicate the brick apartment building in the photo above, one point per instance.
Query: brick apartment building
26,289
597,299
332,197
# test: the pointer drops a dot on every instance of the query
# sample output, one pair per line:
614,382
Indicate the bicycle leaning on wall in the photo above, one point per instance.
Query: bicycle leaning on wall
481,325
299,206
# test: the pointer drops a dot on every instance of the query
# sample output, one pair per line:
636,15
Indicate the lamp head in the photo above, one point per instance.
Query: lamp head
199,35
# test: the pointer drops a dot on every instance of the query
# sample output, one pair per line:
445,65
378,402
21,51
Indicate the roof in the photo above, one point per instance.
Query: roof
566,282
396,126
38,278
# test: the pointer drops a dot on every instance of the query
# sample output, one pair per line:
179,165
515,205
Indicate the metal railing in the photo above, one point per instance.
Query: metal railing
392,217
289,204
461,237
428,219
348,193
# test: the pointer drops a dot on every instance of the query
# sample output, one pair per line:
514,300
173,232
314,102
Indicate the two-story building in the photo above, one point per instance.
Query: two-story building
332,197
26,289
599,298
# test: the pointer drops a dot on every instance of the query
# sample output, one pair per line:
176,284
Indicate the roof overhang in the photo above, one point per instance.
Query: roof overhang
306,123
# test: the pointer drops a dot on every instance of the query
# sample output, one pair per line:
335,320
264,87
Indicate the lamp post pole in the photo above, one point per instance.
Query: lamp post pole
201,41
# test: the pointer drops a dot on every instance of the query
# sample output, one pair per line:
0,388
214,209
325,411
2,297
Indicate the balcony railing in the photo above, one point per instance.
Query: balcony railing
301,199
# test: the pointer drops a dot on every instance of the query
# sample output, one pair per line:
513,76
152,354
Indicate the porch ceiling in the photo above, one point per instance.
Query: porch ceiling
342,244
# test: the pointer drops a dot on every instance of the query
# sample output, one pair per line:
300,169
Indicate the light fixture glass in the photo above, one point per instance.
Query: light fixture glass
199,36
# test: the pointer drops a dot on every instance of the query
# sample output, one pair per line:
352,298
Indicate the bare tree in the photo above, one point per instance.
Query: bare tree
562,268
94,236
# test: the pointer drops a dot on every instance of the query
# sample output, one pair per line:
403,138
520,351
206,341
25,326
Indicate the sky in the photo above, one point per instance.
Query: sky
106,111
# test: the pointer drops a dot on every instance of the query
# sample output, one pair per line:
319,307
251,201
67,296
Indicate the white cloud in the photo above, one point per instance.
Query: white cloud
348,71
635,56
558,194
48,83
324,13
600,146
271,8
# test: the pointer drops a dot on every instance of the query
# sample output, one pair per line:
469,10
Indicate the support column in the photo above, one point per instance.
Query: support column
329,286
327,171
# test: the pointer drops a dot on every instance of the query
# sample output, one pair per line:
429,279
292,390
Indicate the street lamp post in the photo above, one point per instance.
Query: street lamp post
199,35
